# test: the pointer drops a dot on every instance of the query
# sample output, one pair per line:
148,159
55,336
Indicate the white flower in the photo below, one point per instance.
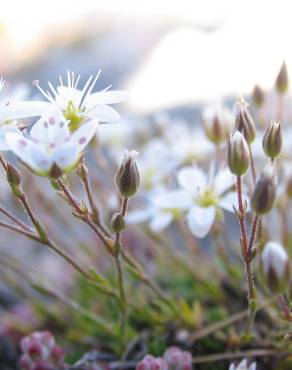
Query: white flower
243,366
11,110
79,105
49,145
157,217
200,197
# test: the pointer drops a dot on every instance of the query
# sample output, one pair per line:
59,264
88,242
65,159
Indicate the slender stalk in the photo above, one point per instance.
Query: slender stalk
14,218
93,206
59,251
118,261
246,249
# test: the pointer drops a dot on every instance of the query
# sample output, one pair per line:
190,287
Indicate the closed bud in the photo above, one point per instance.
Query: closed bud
272,140
238,154
13,176
274,267
282,80
55,171
218,123
244,121
258,96
117,222
127,178
264,194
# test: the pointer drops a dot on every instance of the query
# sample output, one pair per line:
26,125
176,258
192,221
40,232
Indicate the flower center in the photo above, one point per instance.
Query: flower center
208,198
74,115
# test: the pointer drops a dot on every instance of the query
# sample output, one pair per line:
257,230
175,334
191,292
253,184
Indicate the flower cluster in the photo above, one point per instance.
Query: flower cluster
54,144
173,359
40,352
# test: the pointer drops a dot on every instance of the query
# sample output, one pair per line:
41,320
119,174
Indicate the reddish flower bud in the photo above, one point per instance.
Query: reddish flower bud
177,359
152,363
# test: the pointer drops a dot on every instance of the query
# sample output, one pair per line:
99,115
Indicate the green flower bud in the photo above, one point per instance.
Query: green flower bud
244,122
264,195
272,140
274,267
282,80
127,178
218,123
258,96
117,222
238,154
13,176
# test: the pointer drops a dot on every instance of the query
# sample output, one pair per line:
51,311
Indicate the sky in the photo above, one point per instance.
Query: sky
252,39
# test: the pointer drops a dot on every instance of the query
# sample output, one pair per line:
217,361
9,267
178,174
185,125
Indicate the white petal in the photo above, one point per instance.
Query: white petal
29,152
104,97
66,156
160,221
253,366
104,114
223,181
138,216
83,135
242,365
231,199
23,109
173,200
3,131
192,179
51,129
200,220
232,367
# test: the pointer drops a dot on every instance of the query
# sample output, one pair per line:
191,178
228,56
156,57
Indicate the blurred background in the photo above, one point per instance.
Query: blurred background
165,53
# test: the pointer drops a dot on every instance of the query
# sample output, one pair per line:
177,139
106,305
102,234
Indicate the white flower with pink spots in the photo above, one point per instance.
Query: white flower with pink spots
49,145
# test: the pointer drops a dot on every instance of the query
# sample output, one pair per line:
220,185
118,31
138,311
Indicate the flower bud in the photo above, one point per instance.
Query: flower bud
274,267
272,140
258,96
264,194
117,222
55,171
244,122
152,363
177,359
128,178
13,176
238,154
218,123
282,80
